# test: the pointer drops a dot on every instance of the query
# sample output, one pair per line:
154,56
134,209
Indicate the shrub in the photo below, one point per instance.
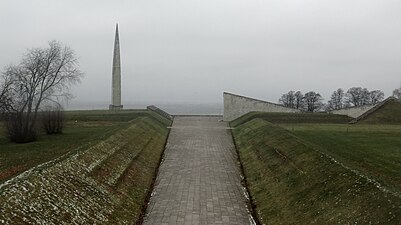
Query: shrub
53,120
17,129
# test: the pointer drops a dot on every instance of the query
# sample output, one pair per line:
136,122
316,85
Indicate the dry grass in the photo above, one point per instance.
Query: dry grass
106,182
292,182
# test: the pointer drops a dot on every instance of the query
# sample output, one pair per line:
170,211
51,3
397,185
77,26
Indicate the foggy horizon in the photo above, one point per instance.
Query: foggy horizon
192,51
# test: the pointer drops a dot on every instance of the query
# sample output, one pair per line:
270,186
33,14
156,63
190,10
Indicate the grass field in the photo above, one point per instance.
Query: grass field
105,178
374,150
320,172
83,128
112,116
293,118
16,158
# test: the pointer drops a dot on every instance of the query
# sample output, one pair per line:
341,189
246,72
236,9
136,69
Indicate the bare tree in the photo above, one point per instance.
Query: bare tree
288,99
337,100
43,75
5,94
357,96
376,96
53,119
313,101
299,100
397,93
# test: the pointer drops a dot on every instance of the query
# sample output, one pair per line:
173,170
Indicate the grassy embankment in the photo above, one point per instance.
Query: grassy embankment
375,150
390,113
105,177
294,180
83,128
290,118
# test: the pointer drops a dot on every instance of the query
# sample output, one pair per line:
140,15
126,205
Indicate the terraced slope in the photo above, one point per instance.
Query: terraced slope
83,128
114,116
389,113
293,183
106,183
292,118
374,150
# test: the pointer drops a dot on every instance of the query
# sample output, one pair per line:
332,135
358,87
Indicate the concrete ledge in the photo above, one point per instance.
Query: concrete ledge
353,112
237,105
160,112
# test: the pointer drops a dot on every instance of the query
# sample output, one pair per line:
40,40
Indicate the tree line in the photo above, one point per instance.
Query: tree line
31,91
313,101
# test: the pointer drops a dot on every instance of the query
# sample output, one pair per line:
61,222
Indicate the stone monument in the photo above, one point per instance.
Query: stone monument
116,76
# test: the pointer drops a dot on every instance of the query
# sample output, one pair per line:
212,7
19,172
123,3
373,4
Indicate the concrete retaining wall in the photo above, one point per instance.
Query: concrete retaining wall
237,105
353,112
160,112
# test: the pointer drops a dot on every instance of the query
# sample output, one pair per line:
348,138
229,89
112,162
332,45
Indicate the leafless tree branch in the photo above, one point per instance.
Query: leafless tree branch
44,74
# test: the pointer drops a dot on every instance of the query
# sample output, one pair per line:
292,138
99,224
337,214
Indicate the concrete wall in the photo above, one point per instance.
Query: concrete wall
353,112
236,106
160,112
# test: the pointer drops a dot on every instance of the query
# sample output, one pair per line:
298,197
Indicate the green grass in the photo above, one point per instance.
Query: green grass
83,128
146,140
292,181
105,115
113,116
390,113
375,150
108,181
141,171
292,118
16,158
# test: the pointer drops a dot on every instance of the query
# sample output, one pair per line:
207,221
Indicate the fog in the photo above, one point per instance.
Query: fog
190,51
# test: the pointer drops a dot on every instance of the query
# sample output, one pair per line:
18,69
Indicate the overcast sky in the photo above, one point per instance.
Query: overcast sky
193,50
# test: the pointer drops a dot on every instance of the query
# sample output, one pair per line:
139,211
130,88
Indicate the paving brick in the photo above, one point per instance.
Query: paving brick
199,179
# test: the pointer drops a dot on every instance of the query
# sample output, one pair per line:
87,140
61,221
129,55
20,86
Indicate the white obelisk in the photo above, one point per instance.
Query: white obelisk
116,76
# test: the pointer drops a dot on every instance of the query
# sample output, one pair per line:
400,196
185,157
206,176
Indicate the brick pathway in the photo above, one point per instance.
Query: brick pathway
199,180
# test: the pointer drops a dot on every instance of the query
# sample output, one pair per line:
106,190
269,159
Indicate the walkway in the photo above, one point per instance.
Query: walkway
199,179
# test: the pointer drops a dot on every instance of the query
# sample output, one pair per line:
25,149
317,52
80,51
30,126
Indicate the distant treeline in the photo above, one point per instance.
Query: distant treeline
313,101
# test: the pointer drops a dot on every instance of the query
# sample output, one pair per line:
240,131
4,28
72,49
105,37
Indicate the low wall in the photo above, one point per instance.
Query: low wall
237,105
160,112
353,112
